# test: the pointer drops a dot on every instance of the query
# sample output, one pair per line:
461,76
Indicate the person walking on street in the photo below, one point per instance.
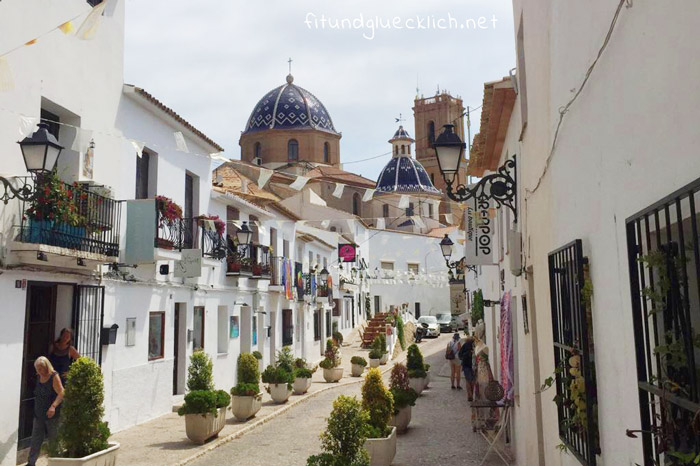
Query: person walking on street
466,353
48,396
451,353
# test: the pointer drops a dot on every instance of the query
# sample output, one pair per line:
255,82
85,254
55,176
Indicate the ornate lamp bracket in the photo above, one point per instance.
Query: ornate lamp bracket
26,192
500,186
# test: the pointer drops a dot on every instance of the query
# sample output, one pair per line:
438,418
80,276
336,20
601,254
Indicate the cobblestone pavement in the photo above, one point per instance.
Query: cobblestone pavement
440,431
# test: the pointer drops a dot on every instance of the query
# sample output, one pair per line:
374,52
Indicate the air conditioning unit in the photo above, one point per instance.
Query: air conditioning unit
257,161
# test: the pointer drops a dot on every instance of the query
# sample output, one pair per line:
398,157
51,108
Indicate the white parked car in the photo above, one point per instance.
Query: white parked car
433,329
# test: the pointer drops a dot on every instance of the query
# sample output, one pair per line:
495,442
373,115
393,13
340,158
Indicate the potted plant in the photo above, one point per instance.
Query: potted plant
258,355
204,408
385,353
330,365
404,398
344,438
358,365
246,398
302,376
416,369
56,209
82,435
168,213
257,269
219,225
279,376
379,404
233,263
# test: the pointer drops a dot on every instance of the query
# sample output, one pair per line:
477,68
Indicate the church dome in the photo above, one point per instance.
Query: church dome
290,107
405,175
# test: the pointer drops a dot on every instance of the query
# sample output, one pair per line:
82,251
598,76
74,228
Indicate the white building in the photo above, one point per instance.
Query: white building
602,188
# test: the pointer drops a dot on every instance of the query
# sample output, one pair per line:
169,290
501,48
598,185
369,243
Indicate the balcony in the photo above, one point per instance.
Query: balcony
252,261
74,221
189,233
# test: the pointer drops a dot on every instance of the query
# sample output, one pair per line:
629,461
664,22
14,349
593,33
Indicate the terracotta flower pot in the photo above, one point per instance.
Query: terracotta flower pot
106,457
381,450
202,427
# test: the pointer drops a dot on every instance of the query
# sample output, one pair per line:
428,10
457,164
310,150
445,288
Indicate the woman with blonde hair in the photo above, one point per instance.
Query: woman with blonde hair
48,395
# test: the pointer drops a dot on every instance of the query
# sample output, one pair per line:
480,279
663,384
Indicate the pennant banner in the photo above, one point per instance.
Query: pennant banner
381,223
403,202
264,177
369,194
448,218
339,188
138,146
88,29
418,221
66,27
81,140
27,125
299,183
219,156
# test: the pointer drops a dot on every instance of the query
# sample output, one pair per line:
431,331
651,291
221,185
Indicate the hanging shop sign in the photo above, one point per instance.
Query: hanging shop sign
479,247
347,252
190,264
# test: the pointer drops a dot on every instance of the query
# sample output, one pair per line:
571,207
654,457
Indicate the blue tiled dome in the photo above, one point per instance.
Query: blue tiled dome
401,134
290,107
405,175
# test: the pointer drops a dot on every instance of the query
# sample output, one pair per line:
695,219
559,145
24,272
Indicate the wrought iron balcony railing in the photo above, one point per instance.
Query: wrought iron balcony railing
189,233
72,217
252,260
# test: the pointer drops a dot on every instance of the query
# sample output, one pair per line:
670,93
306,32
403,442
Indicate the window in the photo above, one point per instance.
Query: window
413,268
409,149
52,120
255,330
385,210
430,210
431,133
326,153
389,266
572,329
663,250
403,149
432,178
396,150
253,222
258,149
287,327
317,325
223,330
356,203
410,212
328,323
156,335
285,248
142,165
522,87
293,150
198,328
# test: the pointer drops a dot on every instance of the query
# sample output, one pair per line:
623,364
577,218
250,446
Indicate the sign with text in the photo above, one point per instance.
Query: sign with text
190,264
347,252
479,248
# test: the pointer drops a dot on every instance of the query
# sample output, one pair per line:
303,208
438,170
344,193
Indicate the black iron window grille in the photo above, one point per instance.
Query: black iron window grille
88,316
317,325
664,263
574,360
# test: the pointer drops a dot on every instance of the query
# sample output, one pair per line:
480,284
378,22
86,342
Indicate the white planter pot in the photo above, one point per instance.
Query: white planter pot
261,366
245,407
202,427
427,380
385,359
402,419
106,457
417,383
279,392
381,450
374,362
333,375
301,385
357,370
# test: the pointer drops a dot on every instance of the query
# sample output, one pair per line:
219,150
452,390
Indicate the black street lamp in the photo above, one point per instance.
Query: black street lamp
243,235
446,246
500,186
40,152
324,275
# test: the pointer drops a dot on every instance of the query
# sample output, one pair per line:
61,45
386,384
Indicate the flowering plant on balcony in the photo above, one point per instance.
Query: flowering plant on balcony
168,210
56,202
219,225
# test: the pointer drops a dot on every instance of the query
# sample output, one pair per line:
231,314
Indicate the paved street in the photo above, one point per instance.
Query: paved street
440,431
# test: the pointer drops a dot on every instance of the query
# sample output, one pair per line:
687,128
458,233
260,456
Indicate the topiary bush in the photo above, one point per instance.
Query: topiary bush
303,373
199,402
414,362
359,360
332,359
344,438
258,355
399,388
378,402
248,376
382,339
199,374
285,359
400,332
277,375
477,313
81,431
223,399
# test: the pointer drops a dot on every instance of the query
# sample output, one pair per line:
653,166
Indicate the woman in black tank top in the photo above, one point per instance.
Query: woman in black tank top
63,353
48,395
